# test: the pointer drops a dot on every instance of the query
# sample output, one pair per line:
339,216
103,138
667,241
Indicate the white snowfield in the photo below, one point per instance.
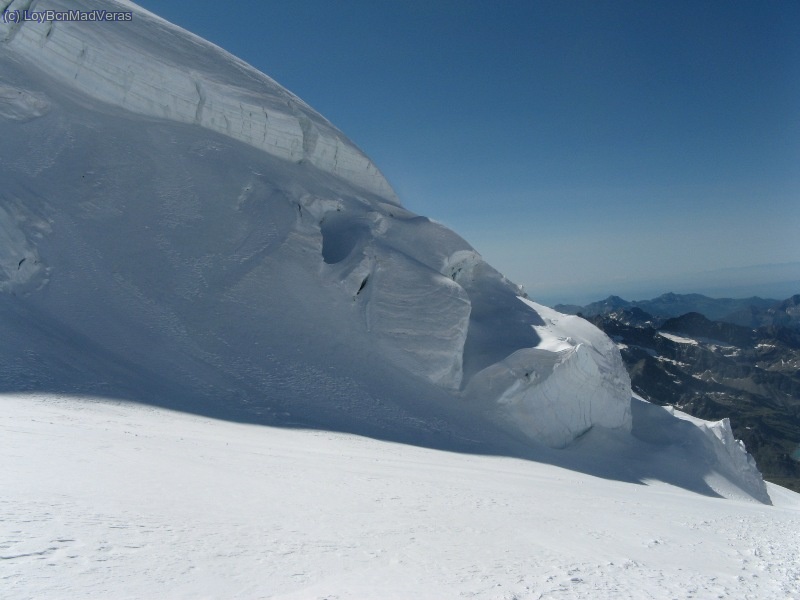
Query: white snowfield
678,339
126,501
178,231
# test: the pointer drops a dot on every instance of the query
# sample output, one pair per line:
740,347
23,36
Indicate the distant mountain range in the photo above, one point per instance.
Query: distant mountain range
751,312
716,358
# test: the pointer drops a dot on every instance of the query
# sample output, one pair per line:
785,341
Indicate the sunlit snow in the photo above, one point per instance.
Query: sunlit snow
123,501
233,365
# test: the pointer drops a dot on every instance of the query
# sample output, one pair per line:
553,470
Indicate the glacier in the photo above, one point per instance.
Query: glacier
176,228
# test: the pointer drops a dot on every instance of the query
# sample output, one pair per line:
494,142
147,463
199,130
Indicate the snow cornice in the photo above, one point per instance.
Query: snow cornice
153,68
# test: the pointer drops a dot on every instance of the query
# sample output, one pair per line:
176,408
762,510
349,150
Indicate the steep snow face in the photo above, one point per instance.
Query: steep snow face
731,454
176,228
571,381
157,70
392,265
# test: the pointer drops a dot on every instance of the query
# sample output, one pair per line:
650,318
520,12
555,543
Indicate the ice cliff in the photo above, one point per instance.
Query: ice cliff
189,87
175,224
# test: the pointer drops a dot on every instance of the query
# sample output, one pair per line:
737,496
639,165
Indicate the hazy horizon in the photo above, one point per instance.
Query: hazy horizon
776,281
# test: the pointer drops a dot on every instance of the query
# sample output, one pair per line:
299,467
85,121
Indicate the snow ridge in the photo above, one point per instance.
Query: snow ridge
130,72
571,381
732,458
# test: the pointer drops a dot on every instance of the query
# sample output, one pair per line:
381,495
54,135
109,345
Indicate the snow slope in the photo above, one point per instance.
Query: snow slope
179,230
125,501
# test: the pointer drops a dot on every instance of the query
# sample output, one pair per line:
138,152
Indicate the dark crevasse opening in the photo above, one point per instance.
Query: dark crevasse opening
340,234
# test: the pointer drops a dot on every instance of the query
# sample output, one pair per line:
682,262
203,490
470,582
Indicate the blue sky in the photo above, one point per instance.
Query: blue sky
584,148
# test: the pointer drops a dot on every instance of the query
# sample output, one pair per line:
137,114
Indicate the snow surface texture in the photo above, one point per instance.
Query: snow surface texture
179,230
189,88
126,501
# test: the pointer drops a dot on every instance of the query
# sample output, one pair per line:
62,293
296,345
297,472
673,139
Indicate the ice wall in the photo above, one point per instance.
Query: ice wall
572,380
730,457
152,68
439,311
